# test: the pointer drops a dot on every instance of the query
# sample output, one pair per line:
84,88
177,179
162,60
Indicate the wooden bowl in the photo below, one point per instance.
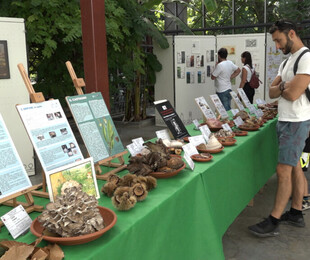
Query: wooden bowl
164,175
211,151
200,158
109,220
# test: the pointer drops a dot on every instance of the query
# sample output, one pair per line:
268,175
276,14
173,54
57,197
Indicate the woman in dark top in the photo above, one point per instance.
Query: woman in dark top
246,74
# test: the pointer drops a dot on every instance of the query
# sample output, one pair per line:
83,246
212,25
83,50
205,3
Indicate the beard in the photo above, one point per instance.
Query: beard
288,46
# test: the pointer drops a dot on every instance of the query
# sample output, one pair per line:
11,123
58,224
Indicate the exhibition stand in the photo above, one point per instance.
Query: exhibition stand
186,216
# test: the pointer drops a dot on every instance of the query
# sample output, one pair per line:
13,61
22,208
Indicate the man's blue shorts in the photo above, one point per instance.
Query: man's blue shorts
291,137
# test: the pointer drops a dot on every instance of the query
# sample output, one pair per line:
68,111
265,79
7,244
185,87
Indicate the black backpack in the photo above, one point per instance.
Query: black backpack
295,70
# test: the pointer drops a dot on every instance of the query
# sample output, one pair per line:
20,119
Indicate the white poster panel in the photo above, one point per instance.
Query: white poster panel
13,176
50,134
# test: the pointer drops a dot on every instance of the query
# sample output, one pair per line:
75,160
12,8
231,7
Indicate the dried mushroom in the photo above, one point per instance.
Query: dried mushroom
175,163
73,214
123,198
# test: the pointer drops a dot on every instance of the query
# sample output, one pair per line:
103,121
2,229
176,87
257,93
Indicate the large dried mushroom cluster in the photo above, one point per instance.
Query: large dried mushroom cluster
73,214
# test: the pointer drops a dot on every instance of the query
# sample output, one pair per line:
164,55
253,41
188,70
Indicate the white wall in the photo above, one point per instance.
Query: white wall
13,91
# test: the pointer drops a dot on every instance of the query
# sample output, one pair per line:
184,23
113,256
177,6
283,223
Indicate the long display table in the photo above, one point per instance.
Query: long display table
186,216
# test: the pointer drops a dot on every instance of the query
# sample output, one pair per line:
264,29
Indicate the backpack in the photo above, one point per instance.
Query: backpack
254,81
295,70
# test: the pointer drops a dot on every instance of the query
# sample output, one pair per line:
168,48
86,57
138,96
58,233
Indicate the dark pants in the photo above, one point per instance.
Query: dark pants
225,98
249,92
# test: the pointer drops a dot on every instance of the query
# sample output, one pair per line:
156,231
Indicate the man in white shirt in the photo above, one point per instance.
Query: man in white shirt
292,128
224,71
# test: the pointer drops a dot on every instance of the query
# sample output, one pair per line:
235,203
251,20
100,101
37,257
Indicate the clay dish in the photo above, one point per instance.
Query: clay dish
164,175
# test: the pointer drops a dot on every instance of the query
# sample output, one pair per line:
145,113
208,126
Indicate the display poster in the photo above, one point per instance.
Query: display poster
219,106
244,98
50,134
81,173
13,176
204,107
171,118
237,100
96,125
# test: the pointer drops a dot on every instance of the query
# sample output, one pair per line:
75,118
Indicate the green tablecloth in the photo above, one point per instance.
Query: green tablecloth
186,216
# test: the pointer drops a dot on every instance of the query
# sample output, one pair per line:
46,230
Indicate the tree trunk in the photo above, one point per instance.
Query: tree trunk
137,90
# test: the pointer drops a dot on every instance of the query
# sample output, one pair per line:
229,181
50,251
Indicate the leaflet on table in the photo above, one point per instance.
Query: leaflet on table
189,161
133,149
237,100
190,149
17,221
204,107
163,134
258,113
171,118
244,97
238,121
138,142
219,106
252,109
50,134
196,124
234,111
196,140
13,176
205,130
95,125
260,101
226,127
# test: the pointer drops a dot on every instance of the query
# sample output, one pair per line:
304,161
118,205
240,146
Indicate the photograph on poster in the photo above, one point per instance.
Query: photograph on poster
48,133
208,71
178,57
182,57
4,61
250,43
81,173
188,61
198,61
178,72
192,77
202,61
188,77
230,49
13,176
198,76
192,61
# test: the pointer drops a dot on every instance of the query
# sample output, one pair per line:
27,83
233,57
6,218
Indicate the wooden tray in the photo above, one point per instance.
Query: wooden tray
109,219
211,151
164,175
201,159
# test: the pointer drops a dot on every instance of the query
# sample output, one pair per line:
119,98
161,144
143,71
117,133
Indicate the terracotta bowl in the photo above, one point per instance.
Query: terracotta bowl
164,175
200,158
227,141
211,151
253,128
241,133
109,218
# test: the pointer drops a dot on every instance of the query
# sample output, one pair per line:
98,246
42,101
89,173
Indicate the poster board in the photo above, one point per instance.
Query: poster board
13,176
80,172
205,108
95,125
12,89
50,134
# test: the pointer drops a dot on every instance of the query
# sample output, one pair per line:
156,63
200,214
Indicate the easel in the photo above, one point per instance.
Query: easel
78,84
35,98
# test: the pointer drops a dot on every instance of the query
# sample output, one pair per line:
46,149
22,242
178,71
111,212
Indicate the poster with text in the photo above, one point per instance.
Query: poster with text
171,118
50,134
13,176
96,125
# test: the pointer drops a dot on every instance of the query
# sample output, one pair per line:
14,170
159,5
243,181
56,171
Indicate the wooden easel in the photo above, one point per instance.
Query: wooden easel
35,98
78,84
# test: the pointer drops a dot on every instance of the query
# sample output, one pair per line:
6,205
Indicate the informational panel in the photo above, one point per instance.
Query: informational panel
96,125
50,134
13,177
13,90
236,44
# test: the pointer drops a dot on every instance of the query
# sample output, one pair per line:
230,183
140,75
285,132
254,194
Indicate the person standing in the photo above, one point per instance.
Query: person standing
246,74
225,70
292,129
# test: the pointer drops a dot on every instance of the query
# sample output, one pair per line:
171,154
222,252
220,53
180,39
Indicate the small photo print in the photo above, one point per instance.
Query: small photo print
40,137
182,56
208,71
178,72
179,57
188,77
70,153
188,61
50,116
192,63
202,61
64,148
72,145
192,77
212,55
251,43
52,134
58,115
63,131
198,61
199,76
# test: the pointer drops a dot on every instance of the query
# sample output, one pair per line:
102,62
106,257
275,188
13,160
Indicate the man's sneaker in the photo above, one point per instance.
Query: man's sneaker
294,220
305,204
265,229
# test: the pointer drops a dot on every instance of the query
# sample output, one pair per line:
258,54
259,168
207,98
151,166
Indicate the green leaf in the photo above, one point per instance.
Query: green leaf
211,5
157,35
150,3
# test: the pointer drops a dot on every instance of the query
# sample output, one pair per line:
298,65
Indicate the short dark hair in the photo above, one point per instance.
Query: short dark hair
222,53
284,26
248,58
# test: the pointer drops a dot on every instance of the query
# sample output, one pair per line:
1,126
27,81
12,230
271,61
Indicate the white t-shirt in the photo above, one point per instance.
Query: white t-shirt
298,110
222,72
249,73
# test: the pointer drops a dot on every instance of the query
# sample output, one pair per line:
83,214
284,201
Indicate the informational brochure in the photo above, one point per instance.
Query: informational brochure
226,127
50,134
138,142
133,149
205,130
238,121
196,140
171,119
190,149
163,134
13,176
95,125
237,100
205,108
189,161
219,106
17,221
244,97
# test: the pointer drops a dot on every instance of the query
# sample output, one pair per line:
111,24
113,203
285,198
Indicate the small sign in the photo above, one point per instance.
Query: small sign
205,108
17,221
205,130
234,111
196,123
237,100
133,149
252,109
138,142
226,127
238,121
196,140
260,101
189,149
163,134
244,97
260,112
219,106
189,161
